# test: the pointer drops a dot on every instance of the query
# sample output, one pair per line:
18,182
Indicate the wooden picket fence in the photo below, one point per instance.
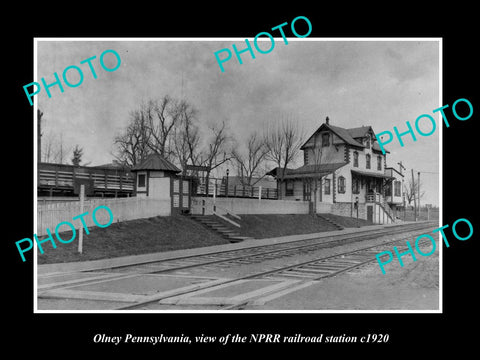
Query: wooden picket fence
50,215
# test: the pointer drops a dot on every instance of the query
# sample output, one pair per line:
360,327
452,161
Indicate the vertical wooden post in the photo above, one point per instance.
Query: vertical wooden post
214,197
106,179
259,193
419,208
80,232
414,197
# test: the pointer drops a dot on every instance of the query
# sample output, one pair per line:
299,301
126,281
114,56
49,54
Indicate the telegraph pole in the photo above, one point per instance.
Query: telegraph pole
414,198
419,208
39,135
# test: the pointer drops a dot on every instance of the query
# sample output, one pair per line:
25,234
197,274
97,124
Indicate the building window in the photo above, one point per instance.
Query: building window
305,157
368,161
355,159
341,185
398,188
355,186
141,180
289,188
325,140
388,189
327,186
367,142
379,162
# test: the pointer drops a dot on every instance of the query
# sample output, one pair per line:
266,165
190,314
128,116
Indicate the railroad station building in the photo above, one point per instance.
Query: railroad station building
344,171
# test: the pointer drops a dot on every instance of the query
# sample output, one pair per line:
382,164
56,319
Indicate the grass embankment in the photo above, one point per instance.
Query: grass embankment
265,226
133,237
347,222
166,233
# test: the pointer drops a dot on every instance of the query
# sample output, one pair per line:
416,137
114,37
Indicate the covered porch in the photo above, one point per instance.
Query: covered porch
305,183
370,187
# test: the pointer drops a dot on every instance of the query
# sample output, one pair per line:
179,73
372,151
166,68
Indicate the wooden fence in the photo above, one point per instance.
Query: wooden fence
218,186
205,206
50,215
62,177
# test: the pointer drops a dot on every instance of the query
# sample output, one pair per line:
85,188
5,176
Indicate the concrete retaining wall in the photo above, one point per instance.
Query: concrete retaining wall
323,208
347,209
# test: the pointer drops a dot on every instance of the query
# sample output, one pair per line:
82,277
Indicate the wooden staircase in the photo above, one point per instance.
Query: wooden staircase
388,210
378,199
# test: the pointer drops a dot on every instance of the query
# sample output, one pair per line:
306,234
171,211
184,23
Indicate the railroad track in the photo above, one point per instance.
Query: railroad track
325,267
311,270
260,253
306,271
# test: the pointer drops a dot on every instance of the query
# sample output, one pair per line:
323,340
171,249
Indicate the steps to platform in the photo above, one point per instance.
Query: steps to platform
334,223
220,228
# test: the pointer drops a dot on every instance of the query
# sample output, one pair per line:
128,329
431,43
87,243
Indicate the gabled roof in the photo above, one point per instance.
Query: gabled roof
340,132
360,132
347,135
156,162
376,147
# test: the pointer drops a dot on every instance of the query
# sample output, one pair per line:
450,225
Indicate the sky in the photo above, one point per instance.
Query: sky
355,83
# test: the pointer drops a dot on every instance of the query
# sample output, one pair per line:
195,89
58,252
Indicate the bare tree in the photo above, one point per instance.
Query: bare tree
54,150
51,147
212,155
249,163
77,155
317,156
186,137
132,145
162,118
165,127
283,140
47,148
411,190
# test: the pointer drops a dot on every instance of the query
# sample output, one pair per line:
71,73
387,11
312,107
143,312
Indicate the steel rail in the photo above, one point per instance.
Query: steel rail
269,272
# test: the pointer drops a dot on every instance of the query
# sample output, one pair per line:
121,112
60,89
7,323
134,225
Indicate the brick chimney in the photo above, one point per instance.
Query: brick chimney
327,121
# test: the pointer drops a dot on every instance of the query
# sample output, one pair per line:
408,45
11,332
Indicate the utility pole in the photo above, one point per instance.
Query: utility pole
39,135
419,208
414,197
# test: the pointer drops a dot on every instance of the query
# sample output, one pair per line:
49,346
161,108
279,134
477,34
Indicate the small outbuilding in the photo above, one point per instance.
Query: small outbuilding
158,178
